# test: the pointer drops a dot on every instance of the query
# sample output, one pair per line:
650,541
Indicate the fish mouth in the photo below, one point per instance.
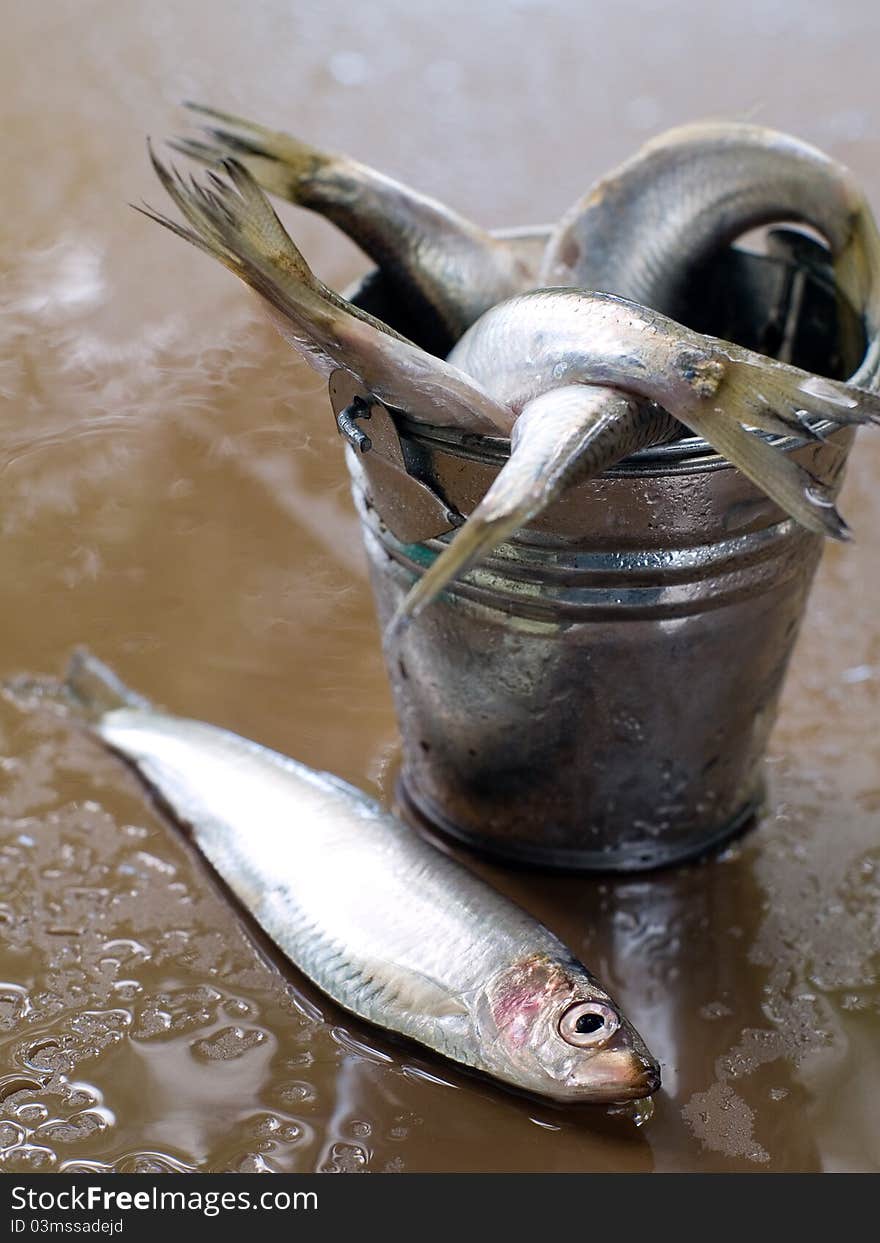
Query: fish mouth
647,1083
614,1077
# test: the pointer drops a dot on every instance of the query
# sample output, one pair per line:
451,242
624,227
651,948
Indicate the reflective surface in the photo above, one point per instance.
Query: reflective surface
174,496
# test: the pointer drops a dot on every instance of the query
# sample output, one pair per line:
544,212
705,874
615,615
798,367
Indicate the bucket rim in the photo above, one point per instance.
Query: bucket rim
688,455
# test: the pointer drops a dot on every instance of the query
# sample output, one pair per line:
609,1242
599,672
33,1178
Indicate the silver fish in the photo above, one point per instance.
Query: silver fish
233,221
561,436
552,338
443,266
392,929
642,230
520,350
548,341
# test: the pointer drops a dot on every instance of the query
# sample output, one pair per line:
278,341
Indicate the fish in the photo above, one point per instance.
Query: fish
441,266
642,230
541,345
560,437
231,219
552,338
391,928
520,349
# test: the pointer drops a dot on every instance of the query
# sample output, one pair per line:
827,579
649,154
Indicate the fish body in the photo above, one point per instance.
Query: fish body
536,351
555,338
439,264
641,231
551,338
561,436
392,929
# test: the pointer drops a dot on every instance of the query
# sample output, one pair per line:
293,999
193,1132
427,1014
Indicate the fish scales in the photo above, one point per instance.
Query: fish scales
642,230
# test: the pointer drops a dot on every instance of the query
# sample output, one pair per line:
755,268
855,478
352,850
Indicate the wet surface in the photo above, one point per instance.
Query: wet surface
175,497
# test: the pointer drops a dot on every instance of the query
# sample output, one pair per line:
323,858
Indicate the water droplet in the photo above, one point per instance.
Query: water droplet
252,1163
345,1159
32,1114
10,1135
298,1093
28,1157
228,1043
79,1127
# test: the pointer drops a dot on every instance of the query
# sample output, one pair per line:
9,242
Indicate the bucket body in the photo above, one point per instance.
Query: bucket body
599,693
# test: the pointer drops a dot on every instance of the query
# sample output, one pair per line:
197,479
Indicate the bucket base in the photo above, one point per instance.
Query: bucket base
643,858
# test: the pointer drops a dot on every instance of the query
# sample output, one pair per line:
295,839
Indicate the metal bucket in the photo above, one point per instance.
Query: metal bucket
599,693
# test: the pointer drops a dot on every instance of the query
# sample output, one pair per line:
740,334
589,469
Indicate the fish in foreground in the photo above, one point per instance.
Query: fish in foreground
539,354
440,265
392,929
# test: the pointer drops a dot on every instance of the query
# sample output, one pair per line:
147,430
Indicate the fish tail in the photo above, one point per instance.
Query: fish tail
784,400
232,220
794,489
94,689
281,164
573,432
483,531
88,690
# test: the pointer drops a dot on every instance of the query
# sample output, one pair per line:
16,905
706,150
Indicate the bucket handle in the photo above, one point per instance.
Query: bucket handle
411,509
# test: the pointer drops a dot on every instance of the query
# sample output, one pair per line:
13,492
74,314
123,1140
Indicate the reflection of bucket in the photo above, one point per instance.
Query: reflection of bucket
599,693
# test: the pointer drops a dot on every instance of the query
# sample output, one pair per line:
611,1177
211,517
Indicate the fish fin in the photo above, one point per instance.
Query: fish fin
418,992
234,222
281,164
794,489
95,689
188,235
476,539
236,217
774,397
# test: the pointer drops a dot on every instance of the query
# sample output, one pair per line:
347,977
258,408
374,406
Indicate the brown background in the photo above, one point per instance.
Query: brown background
173,496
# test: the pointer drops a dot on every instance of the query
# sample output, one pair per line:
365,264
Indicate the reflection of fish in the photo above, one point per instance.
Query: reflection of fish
438,263
536,347
234,222
387,925
641,231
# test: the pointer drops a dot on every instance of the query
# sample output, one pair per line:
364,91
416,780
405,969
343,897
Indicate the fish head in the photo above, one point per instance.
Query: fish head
546,1025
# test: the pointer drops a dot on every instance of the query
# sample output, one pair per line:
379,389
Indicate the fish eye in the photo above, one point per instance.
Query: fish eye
587,1023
